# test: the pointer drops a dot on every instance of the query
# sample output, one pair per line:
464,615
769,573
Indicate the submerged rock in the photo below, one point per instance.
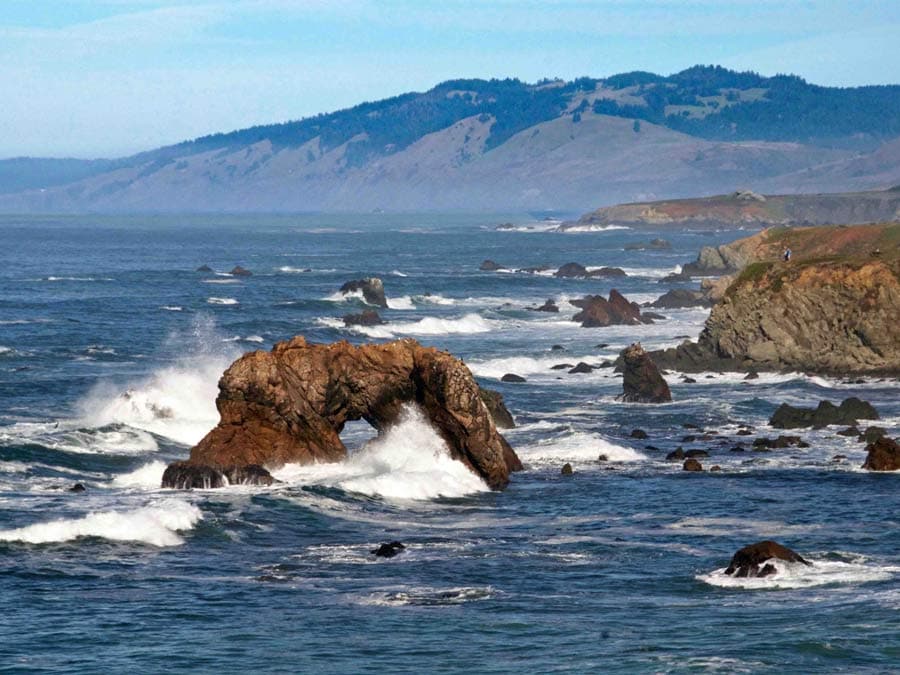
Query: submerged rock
850,410
548,306
575,270
691,465
490,266
290,405
372,289
204,268
747,561
194,475
641,382
368,317
512,377
883,455
652,245
239,271
389,550
78,487
582,367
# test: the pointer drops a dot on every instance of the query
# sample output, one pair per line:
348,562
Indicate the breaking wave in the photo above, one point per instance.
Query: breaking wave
157,524
409,461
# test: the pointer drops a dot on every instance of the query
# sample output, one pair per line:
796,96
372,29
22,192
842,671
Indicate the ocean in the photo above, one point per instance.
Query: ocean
111,345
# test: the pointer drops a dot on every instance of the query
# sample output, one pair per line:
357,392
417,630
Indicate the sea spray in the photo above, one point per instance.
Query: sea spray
409,461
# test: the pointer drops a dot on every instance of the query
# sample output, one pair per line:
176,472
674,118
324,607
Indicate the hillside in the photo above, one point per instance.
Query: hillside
498,144
746,208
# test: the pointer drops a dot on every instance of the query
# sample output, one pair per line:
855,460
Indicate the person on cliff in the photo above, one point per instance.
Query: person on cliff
787,254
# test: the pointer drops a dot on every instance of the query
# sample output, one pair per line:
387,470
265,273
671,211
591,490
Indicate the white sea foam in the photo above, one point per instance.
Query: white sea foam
398,273
148,476
176,401
409,461
434,299
338,296
468,324
592,228
525,365
230,280
576,446
71,436
172,308
77,279
429,596
157,524
6,350
403,302
651,272
222,301
249,338
287,269
798,575
14,467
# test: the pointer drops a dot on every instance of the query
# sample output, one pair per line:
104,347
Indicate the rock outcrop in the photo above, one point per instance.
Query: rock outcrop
596,311
290,405
848,412
496,406
367,317
641,381
239,271
681,297
883,455
372,289
750,560
548,306
834,316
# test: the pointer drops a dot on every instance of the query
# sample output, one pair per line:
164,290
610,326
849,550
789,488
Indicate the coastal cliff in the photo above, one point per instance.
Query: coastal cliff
838,313
745,208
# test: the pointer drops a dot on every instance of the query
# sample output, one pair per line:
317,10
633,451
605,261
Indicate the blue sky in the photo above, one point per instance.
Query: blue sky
104,78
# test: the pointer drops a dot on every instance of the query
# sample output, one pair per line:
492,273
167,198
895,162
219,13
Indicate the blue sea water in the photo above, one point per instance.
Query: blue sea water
111,345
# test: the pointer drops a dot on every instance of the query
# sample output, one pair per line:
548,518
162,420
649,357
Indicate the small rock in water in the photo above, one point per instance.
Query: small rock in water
204,268
389,550
692,465
744,432
582,367
746,562
688,425
696,453
561,366
567,470
752,375
557,348
602,458
239,271
715,467
883,455
871,434
512,377
689,380
677,453
638,433
602,345
78,487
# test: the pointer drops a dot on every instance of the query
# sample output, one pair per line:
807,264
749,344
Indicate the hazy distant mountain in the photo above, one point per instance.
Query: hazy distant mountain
475,144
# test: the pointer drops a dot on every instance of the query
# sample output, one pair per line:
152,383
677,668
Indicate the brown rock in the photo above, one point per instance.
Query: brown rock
641,381
884,455
372,289
597,311
746,562
368,317
239,271
692,465
503,419
290,405
567,469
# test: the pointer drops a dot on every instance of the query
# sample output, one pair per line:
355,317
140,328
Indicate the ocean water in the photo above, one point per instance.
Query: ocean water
111,346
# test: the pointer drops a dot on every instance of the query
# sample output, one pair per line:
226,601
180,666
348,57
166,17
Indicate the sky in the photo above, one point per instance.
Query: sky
108,78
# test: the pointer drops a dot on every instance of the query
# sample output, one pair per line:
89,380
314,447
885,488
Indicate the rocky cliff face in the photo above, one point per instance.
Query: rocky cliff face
290,405
832,316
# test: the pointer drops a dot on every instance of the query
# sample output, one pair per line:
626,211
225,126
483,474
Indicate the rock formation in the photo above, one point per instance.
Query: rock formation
598,312
389,550
490,266
883,455
681,297
548,306
641,382
837,315
239,271
746,562
290,405
503,419
372,290
848,412
368,317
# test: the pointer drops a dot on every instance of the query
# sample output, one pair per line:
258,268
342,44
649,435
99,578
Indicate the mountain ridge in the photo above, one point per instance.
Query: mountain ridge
496,144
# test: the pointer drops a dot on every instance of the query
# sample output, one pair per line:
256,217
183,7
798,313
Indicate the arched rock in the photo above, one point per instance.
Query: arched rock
291,404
